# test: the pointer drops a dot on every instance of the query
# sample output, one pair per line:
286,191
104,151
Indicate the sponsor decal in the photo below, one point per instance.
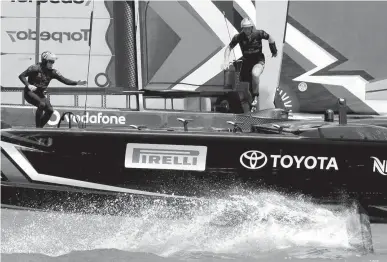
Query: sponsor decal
285,98
302,87
87,2
379,166
254,159
161,156
18,169
91,118
60,37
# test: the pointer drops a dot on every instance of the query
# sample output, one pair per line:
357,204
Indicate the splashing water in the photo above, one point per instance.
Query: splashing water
245,224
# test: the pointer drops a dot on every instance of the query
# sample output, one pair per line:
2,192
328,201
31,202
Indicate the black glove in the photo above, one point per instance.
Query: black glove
273,49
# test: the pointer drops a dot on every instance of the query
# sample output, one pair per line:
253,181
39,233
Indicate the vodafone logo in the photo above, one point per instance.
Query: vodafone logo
253,159
91,118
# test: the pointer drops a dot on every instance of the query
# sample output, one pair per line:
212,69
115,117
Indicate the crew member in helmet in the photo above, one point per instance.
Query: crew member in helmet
39,77
250,41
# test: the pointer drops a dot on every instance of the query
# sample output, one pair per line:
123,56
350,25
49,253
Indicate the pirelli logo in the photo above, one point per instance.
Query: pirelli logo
161,156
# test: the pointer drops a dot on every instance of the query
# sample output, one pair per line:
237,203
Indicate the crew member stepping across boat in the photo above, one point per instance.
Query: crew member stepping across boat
250,41
39,77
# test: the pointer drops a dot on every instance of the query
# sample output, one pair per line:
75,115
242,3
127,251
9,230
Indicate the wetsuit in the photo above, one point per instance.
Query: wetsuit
40,76
251,47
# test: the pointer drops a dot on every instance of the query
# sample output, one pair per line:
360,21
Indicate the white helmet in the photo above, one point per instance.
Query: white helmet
246,22
48,56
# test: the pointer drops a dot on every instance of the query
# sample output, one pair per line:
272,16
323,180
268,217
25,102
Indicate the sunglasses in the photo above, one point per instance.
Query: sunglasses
51,61
247,29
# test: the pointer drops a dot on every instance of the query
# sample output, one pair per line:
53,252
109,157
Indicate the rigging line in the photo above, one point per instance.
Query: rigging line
88,65
146,42
228,30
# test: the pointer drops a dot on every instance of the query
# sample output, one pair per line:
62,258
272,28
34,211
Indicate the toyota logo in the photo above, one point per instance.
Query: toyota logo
253,159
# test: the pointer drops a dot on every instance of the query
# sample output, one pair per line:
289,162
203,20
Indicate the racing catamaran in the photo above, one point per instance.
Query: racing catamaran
325,157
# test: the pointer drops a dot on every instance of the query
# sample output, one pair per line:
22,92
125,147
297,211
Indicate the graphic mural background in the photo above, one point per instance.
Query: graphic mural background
328,49
335,49
109,60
